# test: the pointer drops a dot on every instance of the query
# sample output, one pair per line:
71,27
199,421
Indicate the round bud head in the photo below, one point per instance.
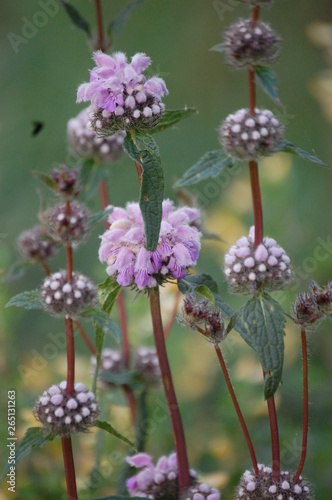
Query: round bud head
66,227
252,487
201,491
111,362
146,363
36,246
62,298
248,137
67,181
249,270
258,3
246,45
62,414
85,143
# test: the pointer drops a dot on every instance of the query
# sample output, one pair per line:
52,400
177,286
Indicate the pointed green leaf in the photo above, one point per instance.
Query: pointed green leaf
116,25
45,178
108,428
29,300
16,271
210,165
189,284
34,437
267,79
99,341
206,292
288,147
104,321
171,117
143,149
76,18
108,293
99,216
126,378
264,323
218,48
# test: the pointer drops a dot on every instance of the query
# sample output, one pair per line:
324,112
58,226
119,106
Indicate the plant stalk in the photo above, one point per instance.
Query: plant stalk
68,459
172,317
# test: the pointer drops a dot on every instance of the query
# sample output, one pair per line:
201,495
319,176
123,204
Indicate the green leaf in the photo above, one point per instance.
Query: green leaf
171,117
103,320
143,149
16,271
288,147
45,178
189,284
34,437
99,341
116,25
264,324
210,165
108,293
29,300
206,292
267,79
76,18
108,428
218,48
99,216
126,378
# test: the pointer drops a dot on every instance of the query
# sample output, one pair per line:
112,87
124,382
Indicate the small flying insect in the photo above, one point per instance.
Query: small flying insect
37,127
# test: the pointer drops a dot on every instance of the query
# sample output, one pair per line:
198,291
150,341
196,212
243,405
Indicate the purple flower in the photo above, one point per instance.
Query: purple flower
121,96
122,246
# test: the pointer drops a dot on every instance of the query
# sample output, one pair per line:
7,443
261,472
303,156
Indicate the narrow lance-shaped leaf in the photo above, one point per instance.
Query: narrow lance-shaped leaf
108,292
267,79
29,300
264,323
110,429
218,48
116,25
104,321
288,147
34,437
172,116
210,165
76,18
99,341
143,149
45,178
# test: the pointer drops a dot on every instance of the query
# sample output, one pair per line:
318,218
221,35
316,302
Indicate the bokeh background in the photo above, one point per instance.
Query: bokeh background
38,82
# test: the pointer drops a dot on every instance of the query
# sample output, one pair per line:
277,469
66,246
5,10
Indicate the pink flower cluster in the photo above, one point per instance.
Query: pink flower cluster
122,245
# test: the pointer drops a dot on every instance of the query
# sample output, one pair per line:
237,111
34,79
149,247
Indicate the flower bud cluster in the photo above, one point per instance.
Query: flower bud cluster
63,298
312,306
247,45
63,414
247,137
84,141
36,246
67,181
249,270
199,316
111,361
201,491
252,487
68,227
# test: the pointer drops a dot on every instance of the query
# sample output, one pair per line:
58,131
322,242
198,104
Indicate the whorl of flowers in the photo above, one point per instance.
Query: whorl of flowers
310,307
66,181
66,228
122,98
248,45
122,246
200,316
62,414
62,298
36,246
252,487
247,137
146,363
84,141
161,480
249,269
111,361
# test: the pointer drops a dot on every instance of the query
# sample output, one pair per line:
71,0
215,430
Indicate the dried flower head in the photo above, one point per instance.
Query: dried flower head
252,487
84,141
68,227
201,317
122,98
259,3
63,414
305,310
62,298
67,181
111,362
250,270
36,246
146,363
248,137
122,246
322,297
160,481
247,45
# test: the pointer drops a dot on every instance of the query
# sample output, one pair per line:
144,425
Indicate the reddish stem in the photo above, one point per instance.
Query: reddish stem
237,408
131,400
45,267
70,355
124,329
257,202
255,16
69,250
178,432
68,459
99,15
274,439
139,172
305,405
172,317
85,338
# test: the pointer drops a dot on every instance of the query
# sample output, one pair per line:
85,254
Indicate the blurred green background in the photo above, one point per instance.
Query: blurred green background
38,82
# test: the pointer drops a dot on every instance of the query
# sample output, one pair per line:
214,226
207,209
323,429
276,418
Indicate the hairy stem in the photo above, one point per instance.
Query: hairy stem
178,432
172,317
69,250
68,459
257,202
305,405
99,16
45,267
237,408
70,356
